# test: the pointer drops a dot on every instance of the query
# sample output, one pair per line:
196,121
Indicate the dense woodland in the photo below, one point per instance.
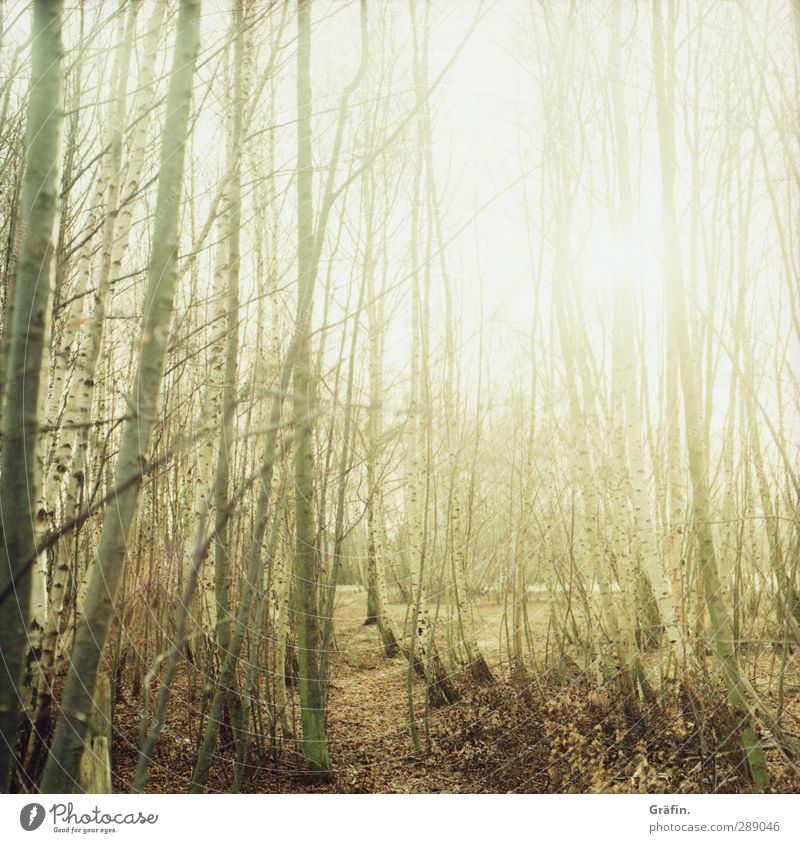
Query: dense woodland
400,395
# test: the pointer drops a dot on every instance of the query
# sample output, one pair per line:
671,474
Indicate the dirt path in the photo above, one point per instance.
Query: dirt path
567,737
368,729
369,733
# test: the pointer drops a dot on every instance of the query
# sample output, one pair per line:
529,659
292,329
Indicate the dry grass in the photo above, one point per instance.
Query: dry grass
556,731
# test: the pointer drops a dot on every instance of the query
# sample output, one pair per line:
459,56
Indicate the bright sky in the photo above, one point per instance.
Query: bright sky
489,135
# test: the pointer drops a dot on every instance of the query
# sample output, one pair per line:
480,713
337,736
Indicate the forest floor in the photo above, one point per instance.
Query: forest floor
543,734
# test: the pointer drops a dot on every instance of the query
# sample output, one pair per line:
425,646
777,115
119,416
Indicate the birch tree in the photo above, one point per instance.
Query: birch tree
722,640
20,477
60,772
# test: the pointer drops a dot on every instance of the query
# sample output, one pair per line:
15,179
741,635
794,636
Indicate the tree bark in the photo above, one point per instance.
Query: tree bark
722,640
310,683
61,770
20,479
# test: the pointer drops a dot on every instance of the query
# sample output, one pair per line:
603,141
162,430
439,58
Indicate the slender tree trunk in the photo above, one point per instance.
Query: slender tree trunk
225,682
376,523
280,625
70,451
311,689
225,451
20,480
422,652
722,633
626,409
211,411
61,770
